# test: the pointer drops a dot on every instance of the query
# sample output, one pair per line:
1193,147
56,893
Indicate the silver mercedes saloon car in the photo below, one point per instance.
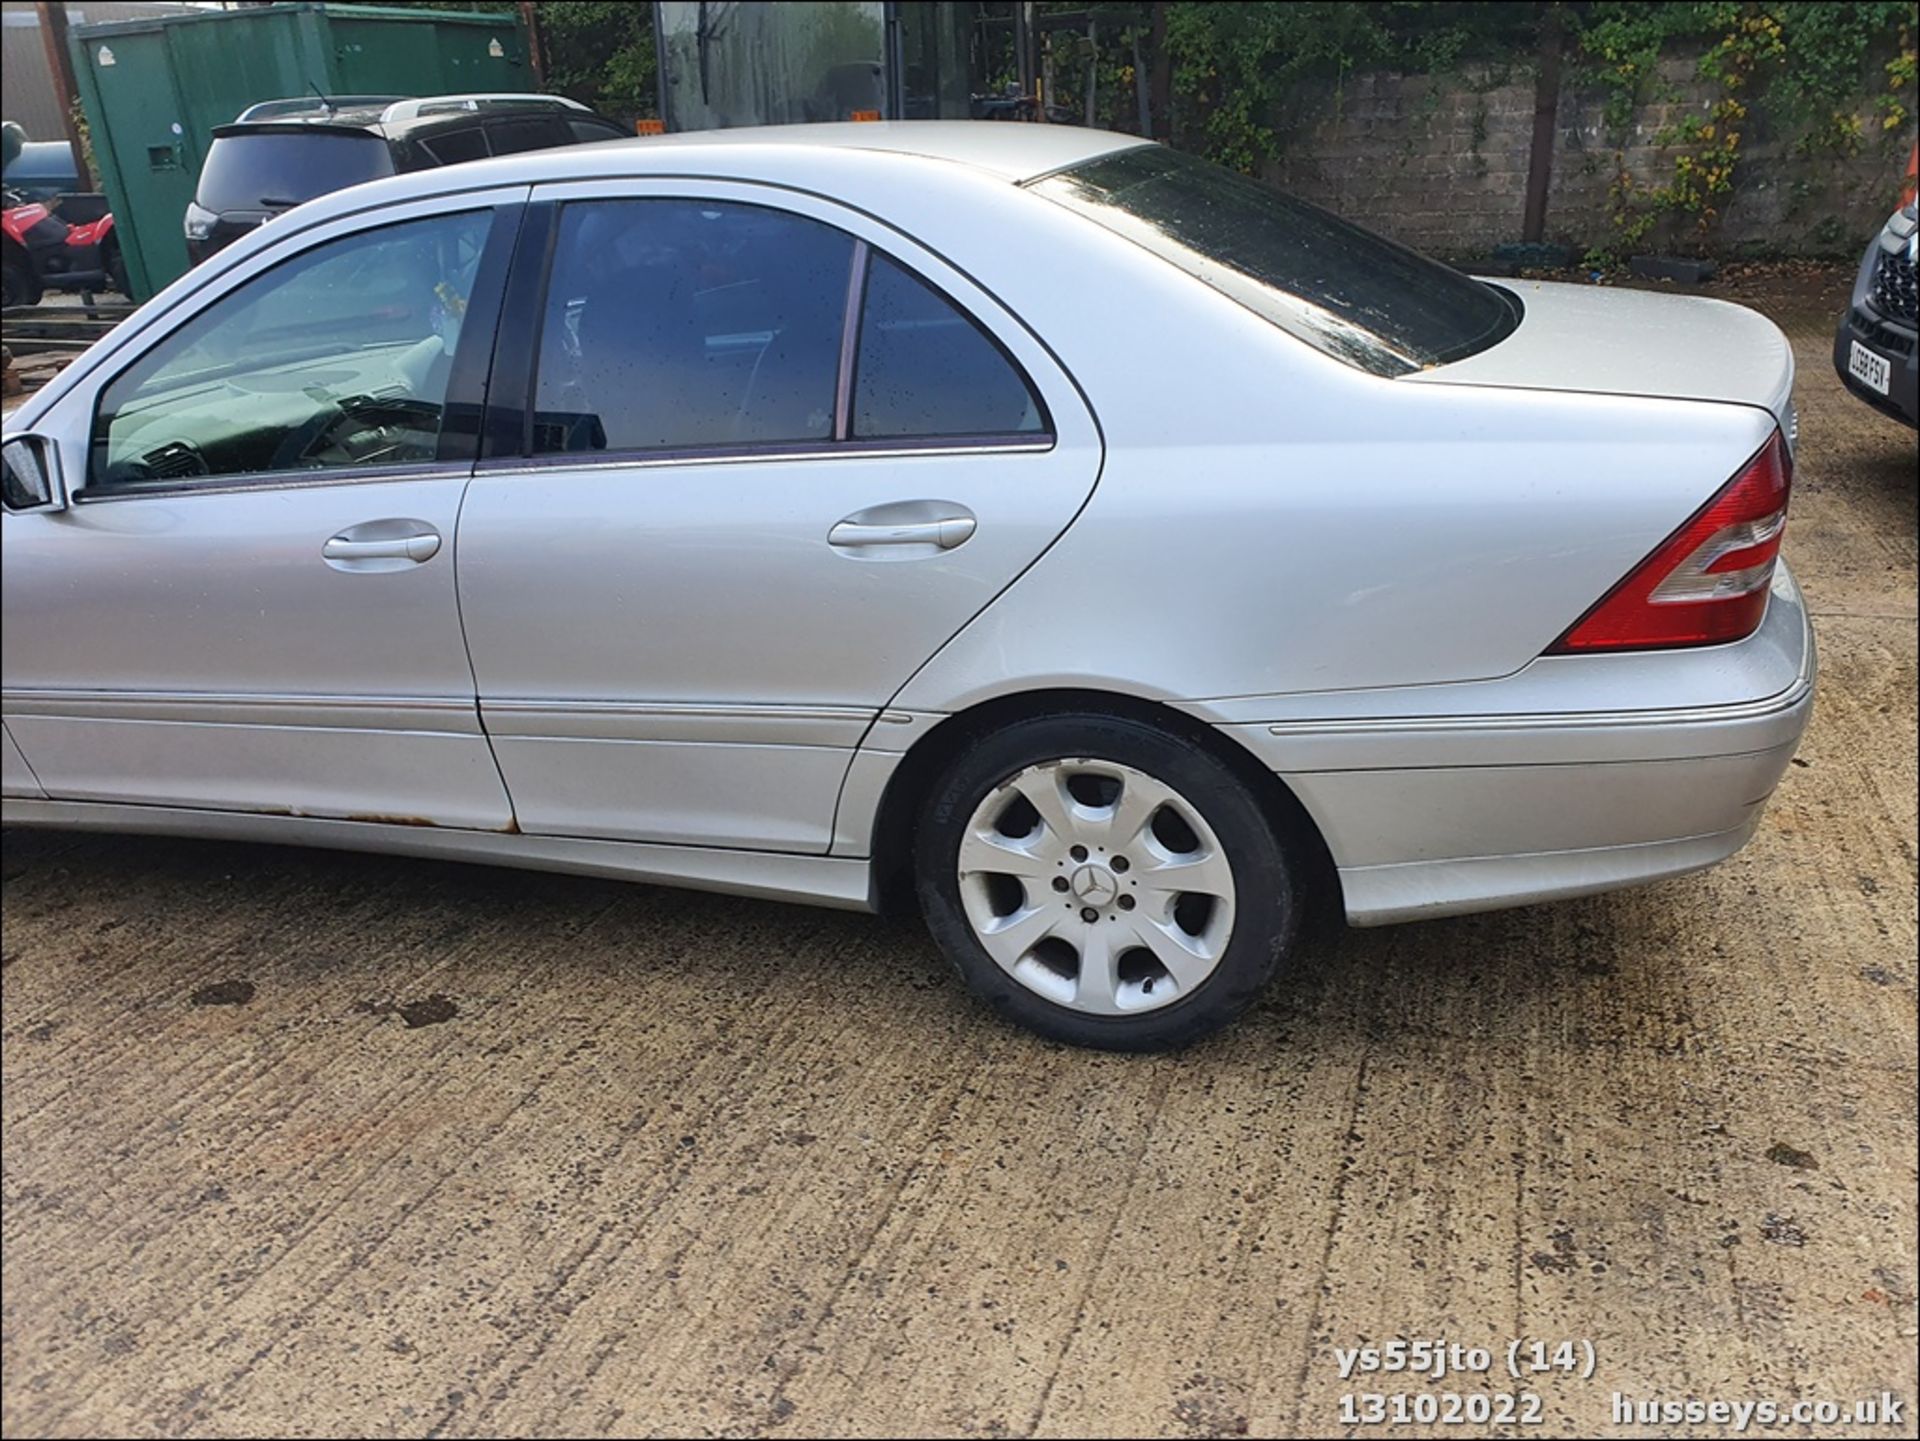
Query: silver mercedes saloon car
1100,551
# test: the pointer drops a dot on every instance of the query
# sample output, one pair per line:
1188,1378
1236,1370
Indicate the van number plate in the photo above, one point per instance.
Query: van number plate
1870,369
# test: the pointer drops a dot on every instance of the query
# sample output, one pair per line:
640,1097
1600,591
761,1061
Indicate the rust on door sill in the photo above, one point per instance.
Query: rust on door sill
375,818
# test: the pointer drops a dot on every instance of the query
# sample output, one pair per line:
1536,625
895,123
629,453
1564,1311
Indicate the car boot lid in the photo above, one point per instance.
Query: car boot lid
1627,342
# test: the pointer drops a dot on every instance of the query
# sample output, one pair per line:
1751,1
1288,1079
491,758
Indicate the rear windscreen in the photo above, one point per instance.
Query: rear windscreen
1346,291
271,171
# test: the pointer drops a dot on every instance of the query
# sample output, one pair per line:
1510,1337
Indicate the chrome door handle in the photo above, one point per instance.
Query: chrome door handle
947,532
417,547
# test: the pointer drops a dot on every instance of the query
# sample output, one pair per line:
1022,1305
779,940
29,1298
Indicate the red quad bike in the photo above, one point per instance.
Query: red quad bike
45,251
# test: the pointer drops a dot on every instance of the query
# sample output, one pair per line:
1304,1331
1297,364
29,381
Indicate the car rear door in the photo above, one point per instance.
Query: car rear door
250,605
773,455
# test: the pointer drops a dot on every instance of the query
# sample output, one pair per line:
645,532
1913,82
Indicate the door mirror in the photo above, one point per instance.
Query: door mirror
33,480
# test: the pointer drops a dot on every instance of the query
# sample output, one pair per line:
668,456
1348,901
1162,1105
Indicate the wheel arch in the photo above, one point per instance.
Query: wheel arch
907,788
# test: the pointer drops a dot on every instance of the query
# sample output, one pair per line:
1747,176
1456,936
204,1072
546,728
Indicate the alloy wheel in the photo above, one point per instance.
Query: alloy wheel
1096,886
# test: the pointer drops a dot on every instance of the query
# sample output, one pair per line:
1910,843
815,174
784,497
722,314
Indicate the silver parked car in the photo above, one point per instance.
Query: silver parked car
1107,551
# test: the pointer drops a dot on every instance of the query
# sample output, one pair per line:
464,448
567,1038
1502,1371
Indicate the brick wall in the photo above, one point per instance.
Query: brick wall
1441,163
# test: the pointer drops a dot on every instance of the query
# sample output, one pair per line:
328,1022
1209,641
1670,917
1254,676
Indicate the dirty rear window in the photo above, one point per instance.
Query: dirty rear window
1345,291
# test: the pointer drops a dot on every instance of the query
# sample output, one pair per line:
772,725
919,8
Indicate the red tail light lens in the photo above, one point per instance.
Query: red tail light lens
1707,583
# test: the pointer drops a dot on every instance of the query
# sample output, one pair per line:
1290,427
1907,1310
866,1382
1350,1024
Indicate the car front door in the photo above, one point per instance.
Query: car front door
249,603
774,455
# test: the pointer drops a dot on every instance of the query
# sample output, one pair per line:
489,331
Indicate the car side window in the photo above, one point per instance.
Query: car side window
585,131
673,324
455,146
540,132
925,368
339,357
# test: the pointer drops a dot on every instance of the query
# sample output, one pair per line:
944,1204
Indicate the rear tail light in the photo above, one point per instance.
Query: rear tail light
1707,583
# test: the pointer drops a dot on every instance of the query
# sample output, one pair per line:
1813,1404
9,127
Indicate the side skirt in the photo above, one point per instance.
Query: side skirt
841,882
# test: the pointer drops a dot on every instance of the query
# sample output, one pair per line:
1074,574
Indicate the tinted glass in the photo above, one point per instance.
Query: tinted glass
509,137
456,145
338,358
1344,290
586,132
926,369
678,323
263,171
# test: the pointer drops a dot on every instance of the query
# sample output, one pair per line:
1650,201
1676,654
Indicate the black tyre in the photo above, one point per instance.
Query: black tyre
1104,882
117,270
19,288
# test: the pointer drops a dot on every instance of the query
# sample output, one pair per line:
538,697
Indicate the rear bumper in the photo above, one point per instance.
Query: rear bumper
1576,775
1650,809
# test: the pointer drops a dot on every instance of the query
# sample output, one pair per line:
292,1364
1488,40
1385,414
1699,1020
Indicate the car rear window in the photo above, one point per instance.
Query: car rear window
263,170
1344,290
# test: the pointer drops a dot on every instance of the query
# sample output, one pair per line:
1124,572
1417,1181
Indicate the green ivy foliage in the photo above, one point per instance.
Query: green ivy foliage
601,52
1238,67
1837,75
1817,69
1819,66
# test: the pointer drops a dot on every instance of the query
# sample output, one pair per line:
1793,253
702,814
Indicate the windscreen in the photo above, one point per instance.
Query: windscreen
1343,290
269,170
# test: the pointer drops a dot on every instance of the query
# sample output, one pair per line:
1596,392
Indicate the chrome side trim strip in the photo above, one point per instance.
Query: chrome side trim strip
841,882
714,722
898,731
455,714
271,480
1759,709
843,450
29,696
676,709
32,698
690,722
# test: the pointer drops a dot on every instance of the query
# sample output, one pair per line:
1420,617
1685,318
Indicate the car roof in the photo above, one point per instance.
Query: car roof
369,121
974,157
468,119
317,105
1010,149
477,101
42,160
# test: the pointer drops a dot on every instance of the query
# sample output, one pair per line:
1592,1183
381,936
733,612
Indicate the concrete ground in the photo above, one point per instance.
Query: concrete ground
302,1143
